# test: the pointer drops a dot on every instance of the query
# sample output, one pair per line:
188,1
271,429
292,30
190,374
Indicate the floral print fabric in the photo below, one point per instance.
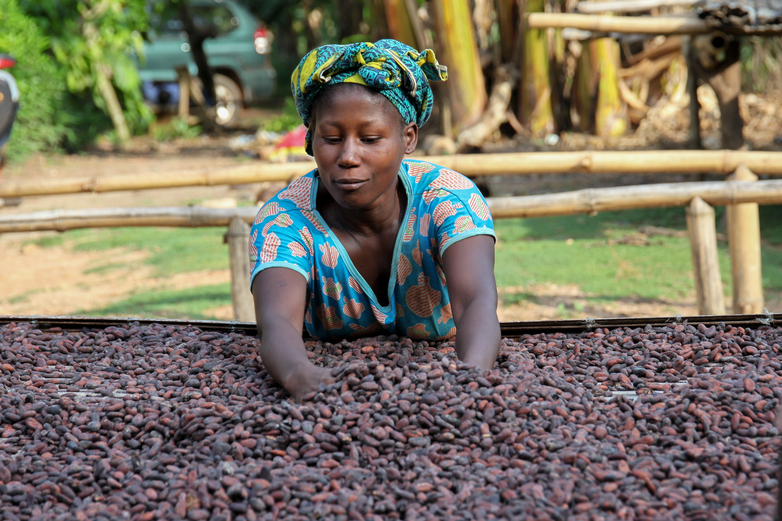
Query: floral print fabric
443,207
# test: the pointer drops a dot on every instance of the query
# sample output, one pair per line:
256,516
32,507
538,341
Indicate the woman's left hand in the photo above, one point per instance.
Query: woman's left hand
469,271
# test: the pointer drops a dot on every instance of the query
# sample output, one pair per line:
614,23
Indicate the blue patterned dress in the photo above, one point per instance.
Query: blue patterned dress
443,207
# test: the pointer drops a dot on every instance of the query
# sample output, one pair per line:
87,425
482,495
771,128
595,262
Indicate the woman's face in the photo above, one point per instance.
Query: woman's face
359,142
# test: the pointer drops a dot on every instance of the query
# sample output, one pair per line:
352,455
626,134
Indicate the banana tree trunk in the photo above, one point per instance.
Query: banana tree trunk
400,23
611,118
535,99
456,47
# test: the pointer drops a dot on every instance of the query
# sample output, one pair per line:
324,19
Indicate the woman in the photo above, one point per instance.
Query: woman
369,243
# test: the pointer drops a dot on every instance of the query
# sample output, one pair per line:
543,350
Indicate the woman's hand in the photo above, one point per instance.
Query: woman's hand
307,380
469,270
280,297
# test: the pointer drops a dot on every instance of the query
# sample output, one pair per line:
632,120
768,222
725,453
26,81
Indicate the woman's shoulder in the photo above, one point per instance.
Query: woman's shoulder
297,195
426,176
293,206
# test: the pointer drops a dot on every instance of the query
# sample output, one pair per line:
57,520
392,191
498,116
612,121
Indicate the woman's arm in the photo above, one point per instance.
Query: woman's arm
280,296
469,271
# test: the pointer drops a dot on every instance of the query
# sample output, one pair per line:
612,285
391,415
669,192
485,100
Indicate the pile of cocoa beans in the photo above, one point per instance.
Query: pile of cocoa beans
166,422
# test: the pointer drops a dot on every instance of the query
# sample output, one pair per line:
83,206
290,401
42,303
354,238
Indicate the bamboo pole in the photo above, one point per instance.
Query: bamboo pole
631,6
592,201
61,220
639,24
705,262
676,162
744,240
619,24
238,237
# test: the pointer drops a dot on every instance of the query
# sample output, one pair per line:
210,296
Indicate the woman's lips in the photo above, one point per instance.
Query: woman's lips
350,184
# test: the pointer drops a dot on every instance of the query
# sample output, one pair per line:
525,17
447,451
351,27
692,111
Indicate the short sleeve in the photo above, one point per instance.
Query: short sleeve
278,239
459,210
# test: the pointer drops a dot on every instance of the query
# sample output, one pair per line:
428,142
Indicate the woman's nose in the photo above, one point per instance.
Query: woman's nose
349,154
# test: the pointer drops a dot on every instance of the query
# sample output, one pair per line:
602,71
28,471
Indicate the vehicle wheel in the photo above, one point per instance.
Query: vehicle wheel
229,100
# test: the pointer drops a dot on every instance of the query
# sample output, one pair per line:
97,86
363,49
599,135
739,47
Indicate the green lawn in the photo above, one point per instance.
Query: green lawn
560,250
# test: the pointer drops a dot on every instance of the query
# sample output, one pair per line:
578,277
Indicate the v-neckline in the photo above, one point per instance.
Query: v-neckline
344,254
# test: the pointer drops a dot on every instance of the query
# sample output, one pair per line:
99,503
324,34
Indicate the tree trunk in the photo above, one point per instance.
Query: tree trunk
196,37
507,21
112,104
351,16
611,119
400,24
457,49
535,99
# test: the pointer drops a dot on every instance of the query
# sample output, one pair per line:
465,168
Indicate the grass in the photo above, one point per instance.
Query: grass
574,250
187,303
172,250
570,250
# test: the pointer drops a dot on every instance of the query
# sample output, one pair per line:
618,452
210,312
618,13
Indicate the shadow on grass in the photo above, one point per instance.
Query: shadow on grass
190,303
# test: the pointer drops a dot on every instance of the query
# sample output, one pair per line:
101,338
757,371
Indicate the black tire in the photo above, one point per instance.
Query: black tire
229,101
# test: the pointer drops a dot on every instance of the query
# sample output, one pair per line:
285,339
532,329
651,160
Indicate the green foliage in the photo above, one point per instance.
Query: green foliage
174,129
89,38
287,121
574,250
39,124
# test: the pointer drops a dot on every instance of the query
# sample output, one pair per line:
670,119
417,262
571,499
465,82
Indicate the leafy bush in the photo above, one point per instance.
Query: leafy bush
40,123
288,120
93,42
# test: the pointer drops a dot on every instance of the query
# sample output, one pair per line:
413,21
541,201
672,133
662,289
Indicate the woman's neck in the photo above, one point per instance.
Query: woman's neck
383,217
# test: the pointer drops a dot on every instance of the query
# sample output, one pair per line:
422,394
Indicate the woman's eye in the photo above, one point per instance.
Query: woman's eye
371,139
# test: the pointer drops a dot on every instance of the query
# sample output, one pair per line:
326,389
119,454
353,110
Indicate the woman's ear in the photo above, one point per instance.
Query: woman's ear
410,134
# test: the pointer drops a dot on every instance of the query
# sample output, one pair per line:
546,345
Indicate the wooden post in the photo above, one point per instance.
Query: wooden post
705,263
238,237
184,91
744,240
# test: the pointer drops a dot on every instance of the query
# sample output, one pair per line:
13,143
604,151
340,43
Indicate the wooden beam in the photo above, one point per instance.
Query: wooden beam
631,6
594,200
673,162
705,261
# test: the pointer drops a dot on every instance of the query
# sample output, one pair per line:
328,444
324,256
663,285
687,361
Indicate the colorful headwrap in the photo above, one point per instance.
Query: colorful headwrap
398,71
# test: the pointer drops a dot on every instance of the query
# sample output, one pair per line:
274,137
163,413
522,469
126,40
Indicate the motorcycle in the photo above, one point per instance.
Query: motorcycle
9,102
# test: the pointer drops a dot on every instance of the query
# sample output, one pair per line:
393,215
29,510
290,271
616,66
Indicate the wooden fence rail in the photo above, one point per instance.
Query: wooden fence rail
593,200
722,162
590,201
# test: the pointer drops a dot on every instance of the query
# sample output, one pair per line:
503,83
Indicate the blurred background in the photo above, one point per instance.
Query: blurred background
122,87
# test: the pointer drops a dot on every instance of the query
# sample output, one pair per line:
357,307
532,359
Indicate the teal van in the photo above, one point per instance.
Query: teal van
239,57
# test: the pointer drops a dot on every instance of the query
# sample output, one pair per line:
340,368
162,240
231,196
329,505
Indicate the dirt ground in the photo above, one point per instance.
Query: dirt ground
57,281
